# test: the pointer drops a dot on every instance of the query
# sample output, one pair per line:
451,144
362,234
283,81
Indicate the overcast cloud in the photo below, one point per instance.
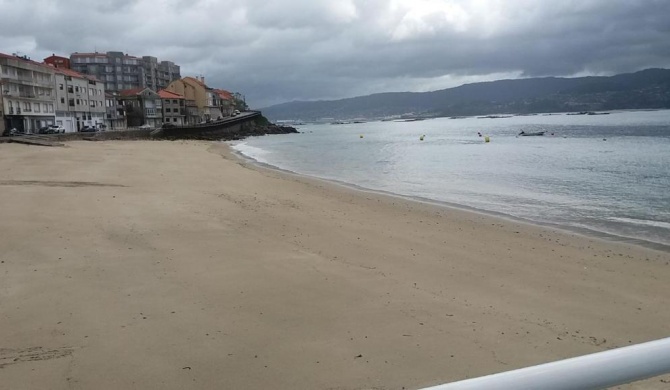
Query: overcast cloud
280,50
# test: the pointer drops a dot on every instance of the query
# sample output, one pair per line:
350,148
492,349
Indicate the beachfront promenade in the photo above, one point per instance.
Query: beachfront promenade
171,265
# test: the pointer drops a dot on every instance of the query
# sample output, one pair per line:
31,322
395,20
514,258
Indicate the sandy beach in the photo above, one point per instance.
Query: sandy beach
174,265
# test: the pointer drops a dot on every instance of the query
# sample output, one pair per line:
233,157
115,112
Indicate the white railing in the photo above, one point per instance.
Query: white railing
596,371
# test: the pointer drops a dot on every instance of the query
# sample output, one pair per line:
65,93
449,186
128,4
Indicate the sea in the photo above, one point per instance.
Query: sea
606,175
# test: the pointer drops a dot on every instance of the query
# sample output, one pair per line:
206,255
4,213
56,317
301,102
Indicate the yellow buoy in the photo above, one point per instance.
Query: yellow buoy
421,138
487,139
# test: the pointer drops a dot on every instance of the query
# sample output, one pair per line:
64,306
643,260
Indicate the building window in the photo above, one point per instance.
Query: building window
78,101
69,89
51,107
174,119
76,89
37,107
60,86
62,100
71,102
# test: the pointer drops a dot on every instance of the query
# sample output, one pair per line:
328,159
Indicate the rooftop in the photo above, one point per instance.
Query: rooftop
169,95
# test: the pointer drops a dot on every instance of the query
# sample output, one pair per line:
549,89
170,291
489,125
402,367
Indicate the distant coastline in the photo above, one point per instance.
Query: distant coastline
646,89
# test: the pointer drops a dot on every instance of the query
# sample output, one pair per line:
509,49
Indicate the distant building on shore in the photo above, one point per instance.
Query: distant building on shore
80,100
27,94
121,71
143,106
174,107
58,61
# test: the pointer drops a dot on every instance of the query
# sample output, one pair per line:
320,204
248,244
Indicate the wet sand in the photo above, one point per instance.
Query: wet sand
171,265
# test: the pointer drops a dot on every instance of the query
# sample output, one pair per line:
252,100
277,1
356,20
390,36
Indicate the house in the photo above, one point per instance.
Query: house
196,90
174,107
80,100
226,102
143,107
27,94
188,91
115,112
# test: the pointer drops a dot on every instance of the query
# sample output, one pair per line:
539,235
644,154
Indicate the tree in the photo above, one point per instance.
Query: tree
239,101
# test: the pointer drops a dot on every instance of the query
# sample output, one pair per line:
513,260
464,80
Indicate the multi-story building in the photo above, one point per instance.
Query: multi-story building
80,100
116,112
143,107
174,107
196,90
158,75
226,102
120,71
57,61
27,94
188,91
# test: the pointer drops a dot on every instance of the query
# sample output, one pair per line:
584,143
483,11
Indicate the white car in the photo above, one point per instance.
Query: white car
54,129
146,127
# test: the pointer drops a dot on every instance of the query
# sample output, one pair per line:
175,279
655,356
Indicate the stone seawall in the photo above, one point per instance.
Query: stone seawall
249,125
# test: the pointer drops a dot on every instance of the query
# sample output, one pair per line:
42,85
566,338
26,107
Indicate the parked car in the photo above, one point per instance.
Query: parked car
88,129
168,125
146,127
236,113
52,129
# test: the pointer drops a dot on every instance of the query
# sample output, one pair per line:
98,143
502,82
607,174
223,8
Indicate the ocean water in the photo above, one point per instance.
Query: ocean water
606,174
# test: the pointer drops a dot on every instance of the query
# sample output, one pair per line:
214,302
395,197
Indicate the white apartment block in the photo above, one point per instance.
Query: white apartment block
80,100
27,95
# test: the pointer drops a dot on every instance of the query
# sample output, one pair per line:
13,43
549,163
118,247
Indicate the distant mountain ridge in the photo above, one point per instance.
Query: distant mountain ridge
646,89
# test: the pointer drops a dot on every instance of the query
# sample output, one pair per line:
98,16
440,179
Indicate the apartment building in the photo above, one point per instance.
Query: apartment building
143,107
80,100
191,93
120,71
174,107
158,75
115,118
205,98
27,94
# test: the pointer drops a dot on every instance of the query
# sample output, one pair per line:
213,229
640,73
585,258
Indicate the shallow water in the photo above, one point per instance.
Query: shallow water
605,173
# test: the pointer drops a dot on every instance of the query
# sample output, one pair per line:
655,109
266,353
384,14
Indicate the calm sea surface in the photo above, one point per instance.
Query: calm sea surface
606,173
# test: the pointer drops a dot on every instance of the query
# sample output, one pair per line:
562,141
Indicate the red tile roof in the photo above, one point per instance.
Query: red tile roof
164,94
131,92
223,94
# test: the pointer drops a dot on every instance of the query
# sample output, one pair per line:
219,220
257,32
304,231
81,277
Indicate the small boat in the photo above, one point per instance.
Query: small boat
524,134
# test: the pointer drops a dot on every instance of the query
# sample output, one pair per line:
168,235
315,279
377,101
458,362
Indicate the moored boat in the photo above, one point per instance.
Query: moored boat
524,134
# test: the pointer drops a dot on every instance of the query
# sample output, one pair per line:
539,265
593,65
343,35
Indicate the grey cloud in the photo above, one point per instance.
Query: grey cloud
281,50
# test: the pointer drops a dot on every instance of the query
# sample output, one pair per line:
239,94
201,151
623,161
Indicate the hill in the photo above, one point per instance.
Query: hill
645,89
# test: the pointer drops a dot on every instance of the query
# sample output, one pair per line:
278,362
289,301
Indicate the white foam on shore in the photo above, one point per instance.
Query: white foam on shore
251,151
645,222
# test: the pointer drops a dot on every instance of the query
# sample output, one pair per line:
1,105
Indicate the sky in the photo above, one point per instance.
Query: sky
274,51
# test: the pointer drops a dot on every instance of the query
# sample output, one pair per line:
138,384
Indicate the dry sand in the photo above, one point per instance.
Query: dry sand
174,265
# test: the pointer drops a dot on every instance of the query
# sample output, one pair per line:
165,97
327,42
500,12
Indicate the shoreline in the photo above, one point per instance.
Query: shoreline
583,231
171,265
